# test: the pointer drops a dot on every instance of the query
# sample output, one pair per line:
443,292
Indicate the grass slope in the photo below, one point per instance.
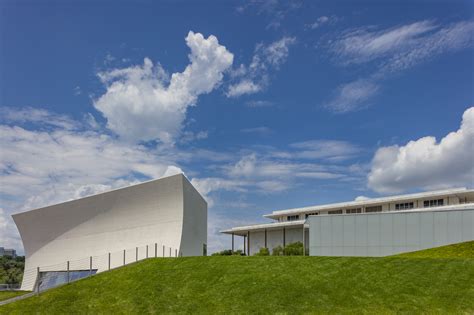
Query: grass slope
460,250
209,285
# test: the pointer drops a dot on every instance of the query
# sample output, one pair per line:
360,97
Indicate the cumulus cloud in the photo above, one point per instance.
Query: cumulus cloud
143,103
255,77
390,51
426,163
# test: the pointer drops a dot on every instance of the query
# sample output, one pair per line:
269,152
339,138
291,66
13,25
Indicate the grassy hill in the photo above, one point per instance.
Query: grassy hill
233,284
460,250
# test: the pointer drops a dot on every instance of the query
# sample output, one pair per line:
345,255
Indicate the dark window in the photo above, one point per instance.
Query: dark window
355,210
373,209
404,206
433,203
335,212
308,214
292,217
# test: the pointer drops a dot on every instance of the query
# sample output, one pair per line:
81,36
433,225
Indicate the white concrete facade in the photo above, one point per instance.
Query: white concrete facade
167,211
292,222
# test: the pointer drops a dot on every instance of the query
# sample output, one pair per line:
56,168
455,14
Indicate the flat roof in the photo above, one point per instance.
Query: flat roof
370,201
242,230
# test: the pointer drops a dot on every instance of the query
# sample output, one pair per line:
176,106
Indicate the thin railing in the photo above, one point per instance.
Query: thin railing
46,277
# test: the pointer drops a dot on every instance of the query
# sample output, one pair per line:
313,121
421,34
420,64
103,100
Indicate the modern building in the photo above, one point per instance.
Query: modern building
163,217
371,227
7,252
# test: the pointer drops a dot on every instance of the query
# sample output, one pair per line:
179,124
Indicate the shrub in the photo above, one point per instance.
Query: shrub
229,252
277,251
294,249
263,252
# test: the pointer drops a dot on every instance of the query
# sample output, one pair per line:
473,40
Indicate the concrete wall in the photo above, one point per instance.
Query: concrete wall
388,233
194,235
165,211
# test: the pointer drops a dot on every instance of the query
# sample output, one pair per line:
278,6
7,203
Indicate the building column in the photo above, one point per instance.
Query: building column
304,242
248,243
245,240
232,242
284,237
265,238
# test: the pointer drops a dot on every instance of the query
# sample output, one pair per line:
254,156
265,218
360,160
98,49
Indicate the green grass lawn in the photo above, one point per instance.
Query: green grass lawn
461,250
262,285
5,295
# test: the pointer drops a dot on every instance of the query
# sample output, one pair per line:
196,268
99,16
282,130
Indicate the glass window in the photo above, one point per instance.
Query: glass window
373,209
293,217
355,210
51,279
433,203
404,206
308,214
335,212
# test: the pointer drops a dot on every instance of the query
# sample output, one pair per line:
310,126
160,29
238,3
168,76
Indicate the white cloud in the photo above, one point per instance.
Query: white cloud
426,163
362,45
361,198
63,162
352,96
255,77
391,51
140,103
244,87
40,117
334,150
403,46
322,20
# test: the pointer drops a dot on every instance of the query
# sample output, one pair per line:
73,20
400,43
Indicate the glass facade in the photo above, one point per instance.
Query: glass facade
51,279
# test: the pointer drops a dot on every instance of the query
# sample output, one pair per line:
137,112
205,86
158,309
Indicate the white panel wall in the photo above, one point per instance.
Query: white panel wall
382,234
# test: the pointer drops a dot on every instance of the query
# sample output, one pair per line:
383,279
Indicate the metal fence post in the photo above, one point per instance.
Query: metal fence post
68,271
136,253
38,280
90,266
124,257
163,250
109,261
170,251
156,248
147,251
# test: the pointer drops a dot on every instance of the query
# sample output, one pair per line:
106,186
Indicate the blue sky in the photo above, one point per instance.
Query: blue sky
264,105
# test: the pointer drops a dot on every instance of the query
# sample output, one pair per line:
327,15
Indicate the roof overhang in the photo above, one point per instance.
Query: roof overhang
242,230
369,202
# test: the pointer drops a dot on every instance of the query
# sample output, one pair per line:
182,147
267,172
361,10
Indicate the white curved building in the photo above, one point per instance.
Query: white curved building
164,217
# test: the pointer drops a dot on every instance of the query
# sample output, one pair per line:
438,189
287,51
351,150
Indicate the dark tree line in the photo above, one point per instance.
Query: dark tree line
11,269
